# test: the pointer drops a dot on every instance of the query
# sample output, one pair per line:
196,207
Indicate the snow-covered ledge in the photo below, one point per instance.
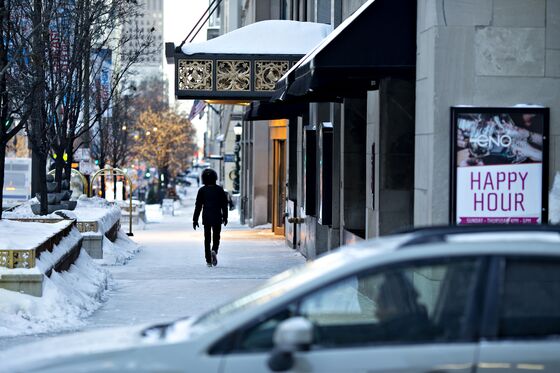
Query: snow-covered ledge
95,218
31,250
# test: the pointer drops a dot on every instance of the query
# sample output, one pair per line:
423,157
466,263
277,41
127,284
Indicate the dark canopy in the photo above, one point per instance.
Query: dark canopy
378,40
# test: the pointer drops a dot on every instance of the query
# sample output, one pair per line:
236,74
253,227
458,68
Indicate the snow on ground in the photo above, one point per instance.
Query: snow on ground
68,298
153,213
118,252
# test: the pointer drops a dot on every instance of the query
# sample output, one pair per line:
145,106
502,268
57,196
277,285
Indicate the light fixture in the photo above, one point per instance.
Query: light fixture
238,129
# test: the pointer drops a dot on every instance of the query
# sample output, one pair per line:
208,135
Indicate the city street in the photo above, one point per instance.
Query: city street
169,278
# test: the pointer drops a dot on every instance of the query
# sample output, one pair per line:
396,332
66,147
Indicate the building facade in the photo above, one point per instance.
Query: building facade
371,150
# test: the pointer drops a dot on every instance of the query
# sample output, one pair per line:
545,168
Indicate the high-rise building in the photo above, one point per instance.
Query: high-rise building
149,24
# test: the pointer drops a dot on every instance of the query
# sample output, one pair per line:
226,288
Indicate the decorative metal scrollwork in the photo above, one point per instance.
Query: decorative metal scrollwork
87,226
17,258
233,75
267,74
5,258
195,75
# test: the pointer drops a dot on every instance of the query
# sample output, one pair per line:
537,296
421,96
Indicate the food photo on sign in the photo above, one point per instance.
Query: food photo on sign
498,165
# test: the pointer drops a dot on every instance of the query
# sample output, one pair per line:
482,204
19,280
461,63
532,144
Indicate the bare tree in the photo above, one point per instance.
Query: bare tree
95,72
70,44
16,91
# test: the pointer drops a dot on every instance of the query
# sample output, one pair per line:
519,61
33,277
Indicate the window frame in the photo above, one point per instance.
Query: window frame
475,306
495,293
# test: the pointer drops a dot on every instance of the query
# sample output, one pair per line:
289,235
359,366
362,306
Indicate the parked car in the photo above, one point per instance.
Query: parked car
430,300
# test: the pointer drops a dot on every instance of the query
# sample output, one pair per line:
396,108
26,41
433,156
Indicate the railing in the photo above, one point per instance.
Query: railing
114,172
85,186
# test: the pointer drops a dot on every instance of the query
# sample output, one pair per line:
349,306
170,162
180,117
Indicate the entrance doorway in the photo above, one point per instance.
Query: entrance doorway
279,187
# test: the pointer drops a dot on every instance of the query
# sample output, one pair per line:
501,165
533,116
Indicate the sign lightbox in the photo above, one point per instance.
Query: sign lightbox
499,165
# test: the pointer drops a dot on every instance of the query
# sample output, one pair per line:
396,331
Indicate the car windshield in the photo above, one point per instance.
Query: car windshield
273,288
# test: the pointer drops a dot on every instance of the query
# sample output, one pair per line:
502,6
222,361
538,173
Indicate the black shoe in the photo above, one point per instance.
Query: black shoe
214,258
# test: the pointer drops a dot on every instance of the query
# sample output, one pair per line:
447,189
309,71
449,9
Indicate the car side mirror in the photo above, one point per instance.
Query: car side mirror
291,335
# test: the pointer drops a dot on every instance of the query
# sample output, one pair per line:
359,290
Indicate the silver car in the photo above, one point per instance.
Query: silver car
439,302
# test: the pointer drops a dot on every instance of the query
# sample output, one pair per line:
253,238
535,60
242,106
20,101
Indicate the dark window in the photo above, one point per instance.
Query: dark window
310,193
259,337
531,299
417,304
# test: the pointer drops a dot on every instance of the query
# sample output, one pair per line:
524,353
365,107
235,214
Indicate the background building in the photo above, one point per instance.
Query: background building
149,25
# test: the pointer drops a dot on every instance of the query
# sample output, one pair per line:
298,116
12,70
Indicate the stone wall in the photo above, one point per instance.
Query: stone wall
481,53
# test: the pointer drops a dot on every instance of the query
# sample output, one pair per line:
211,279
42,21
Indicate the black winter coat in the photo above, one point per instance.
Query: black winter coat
212,201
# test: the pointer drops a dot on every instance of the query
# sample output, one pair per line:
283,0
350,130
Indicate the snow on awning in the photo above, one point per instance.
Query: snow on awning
246,63
378,40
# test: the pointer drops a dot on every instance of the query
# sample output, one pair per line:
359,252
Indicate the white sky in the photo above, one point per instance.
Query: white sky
179,17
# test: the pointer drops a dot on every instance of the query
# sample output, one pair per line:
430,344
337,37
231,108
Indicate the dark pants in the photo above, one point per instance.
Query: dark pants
211,233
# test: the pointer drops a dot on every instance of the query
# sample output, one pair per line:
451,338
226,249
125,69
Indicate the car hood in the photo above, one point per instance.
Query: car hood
45,353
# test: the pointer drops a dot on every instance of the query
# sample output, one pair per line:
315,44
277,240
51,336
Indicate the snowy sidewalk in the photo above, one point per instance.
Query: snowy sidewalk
169,278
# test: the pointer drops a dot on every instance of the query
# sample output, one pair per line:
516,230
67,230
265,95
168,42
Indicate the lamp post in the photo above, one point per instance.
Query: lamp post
237,130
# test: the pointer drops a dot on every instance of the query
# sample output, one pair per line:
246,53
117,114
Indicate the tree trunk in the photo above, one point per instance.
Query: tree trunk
2,167
38,133
59,167
114,187
42,158
102,186
68,164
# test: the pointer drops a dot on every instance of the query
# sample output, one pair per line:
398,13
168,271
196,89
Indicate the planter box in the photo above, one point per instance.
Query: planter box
26,277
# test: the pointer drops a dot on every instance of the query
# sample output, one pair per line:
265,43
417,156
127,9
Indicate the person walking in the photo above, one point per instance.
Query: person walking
212,201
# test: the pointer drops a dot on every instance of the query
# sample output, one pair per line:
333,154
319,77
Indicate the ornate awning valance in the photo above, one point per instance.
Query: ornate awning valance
245,63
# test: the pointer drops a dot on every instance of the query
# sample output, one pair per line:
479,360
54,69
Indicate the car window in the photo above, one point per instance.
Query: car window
413,304
530,304
420,303
259,336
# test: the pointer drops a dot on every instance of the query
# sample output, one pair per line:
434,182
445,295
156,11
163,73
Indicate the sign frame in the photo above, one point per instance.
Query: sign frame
456,112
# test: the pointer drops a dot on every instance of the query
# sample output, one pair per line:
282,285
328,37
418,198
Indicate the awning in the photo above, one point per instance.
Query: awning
244,64
377,41
264,110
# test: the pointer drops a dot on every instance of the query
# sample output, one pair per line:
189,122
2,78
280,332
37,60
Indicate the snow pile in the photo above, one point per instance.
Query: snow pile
26,235
554,201
48,259
118,252
24,211
265,37
87,209
97,209
68,298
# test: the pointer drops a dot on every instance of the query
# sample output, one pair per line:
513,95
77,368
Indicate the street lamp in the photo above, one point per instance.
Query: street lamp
237,130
